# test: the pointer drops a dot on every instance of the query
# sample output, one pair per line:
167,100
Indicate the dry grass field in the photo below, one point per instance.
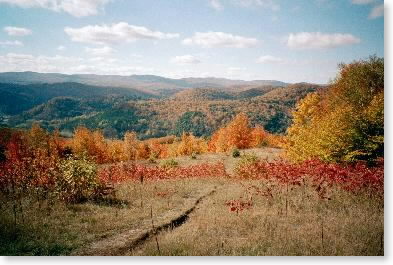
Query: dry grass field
345,225
210,216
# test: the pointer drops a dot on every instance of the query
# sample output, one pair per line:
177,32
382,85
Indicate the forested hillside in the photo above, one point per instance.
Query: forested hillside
151,84
15,98
116,110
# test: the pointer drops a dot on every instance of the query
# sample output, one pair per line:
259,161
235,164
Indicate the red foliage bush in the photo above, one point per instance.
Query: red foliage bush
238,205
123,172
351,177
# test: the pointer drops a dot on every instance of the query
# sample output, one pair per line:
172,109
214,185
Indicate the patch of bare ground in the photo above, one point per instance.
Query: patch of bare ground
126,241
59,229
348,224
266,153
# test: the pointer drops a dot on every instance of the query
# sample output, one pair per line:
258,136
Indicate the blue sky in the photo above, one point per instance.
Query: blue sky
285,40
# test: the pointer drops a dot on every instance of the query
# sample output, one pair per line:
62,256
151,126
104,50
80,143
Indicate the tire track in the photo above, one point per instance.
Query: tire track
119,244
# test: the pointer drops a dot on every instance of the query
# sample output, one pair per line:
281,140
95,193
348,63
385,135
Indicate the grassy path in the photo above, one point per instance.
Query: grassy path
128,240
347,225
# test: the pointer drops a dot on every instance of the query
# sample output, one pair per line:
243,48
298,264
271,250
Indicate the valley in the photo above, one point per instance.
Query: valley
136,106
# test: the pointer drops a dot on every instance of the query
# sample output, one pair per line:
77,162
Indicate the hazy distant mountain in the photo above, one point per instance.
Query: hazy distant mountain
203,94
225,93
146,83
223,82
15,98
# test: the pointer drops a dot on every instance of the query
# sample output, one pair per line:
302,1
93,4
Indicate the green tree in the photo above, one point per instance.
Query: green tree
194,122
277,123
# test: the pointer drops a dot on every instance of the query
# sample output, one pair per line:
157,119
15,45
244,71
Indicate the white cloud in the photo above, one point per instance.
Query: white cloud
376,12
27,62
271,4
61,48
16,31
235,72
109,69
269,59
216,4
69,65
318,40
77,8
185,59
103,59
10,43
115,33
135,55
219,39
362,2
104,51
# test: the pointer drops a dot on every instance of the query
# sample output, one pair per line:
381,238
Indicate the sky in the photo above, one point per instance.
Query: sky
286,40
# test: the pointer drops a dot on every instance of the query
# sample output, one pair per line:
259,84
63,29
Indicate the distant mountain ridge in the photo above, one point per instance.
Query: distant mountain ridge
146,83
152,106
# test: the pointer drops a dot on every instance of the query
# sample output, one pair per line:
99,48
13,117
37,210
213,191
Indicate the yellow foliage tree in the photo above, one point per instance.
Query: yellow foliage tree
38,137
116,151
343,122
190,144
130,145
93,144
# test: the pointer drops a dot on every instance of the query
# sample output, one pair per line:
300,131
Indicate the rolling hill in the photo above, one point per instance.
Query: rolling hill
15,98
147,83
155,107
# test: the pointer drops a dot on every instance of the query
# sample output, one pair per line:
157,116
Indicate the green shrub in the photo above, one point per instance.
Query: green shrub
264,143
246,160
169,163
235,153
77,180
152,160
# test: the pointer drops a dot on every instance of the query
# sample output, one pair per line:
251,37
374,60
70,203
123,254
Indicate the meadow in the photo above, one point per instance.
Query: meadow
236,216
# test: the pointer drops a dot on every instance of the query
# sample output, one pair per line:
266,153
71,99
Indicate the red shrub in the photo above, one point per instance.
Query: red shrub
124,172
238,205
351,177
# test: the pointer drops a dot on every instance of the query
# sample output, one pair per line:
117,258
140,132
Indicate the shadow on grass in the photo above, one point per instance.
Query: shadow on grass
111,202
25,241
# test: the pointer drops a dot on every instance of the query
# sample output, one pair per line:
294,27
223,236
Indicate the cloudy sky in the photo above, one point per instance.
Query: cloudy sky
285,40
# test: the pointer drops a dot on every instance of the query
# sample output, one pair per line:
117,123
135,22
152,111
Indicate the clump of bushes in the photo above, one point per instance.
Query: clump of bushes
235,153
169,163
246,160
152,159
264,143
77,180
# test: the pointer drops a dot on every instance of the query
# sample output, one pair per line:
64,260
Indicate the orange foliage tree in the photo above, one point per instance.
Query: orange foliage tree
93,144
130,147
237,134
143,150
258,137
188,145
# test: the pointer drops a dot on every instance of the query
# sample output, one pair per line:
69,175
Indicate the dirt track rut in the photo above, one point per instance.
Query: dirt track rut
119,244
